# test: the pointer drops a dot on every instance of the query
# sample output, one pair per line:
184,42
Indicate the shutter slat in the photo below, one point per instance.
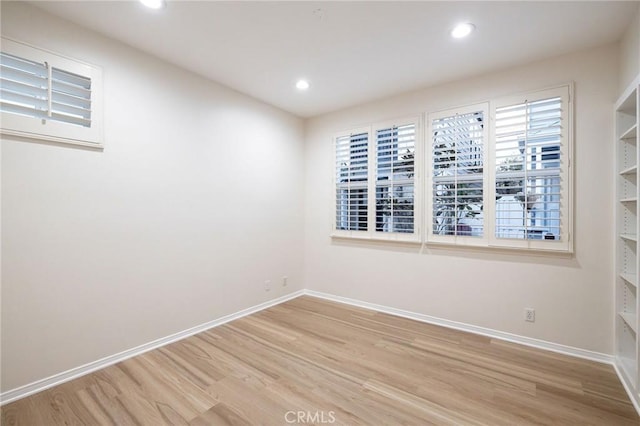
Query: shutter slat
22,110
70,110
26,89
71,79
22,99
25,65
21,76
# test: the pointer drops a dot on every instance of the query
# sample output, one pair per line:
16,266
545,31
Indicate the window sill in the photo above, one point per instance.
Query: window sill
48,139
442,246
518,251
384,240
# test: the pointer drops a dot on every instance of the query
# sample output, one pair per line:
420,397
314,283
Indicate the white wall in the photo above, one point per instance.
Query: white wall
196,199
630,53
572,296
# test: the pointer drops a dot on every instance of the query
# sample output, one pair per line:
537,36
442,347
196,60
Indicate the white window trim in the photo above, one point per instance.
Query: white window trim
370,233
430,237
50,130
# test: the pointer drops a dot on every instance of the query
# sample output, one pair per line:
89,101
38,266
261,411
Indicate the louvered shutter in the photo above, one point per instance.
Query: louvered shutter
70,98
395,178
23,86
531,169
458,176
47,96
352,179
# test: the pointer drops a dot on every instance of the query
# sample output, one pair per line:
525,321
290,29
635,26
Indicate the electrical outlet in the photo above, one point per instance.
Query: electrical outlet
530,314
284,281
267,285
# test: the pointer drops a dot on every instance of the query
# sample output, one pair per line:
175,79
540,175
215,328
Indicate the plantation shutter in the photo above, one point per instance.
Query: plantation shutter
395,175
35,89
458,173
352,179
23,86
70,98
530,169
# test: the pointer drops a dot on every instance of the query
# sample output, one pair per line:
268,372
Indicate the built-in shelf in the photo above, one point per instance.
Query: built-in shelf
629,237
629,171
628,367
629,319
630,133
627,194
630,278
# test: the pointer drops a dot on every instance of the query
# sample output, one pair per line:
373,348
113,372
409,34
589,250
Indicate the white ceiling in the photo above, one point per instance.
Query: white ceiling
351,52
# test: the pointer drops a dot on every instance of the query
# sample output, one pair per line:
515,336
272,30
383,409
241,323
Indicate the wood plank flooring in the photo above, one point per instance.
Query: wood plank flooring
309,361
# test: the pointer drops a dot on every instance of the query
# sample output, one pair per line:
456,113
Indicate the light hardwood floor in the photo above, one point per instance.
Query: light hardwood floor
318,362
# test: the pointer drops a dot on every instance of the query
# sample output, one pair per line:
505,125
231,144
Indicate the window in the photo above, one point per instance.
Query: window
531,147
46,96
458,175
375,182
352,177
395,175
511,189
498,176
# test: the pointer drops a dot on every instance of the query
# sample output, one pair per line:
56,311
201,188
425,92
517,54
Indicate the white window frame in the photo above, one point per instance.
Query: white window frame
371,233
565,243
51,130
457,239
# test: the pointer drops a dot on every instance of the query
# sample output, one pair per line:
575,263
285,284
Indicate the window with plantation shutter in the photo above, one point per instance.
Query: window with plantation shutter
49,97
532,182
395,178
376,188
499,173
352,180
458,174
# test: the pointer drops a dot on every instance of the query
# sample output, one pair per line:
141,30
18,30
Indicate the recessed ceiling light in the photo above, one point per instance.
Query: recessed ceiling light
154,4
462,30
302,85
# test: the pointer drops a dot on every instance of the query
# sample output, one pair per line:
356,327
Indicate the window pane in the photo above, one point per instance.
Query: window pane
528,170
395,170
458,167
351,182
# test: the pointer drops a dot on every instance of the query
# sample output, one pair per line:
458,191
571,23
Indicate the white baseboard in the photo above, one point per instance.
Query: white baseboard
628,386
522,340
74,373
57,379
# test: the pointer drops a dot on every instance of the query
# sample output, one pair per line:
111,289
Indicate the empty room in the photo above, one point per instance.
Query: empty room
299,212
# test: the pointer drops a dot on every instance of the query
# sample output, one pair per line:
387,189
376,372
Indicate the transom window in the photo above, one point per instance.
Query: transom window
49,97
